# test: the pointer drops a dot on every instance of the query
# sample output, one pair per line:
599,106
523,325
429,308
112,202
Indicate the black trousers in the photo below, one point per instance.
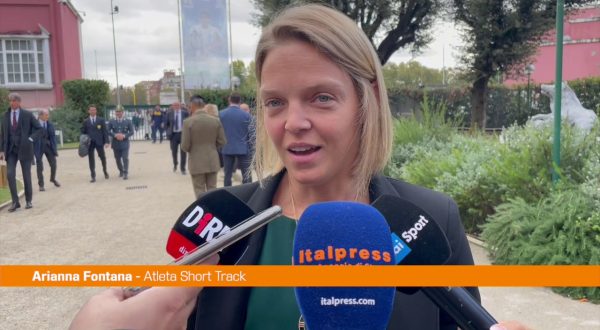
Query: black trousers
92,158
175,147
49,153
231,163
11,168
122,158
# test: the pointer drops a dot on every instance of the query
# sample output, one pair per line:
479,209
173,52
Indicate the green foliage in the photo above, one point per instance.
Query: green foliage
3,100
481,172
80,93
500,36
220,96
588,92
384,22
504,107
68,120
563,228
410,74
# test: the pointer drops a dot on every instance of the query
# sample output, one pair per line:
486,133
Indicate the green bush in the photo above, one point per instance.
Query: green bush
481,172
3,100
80,93
563,228
69,121
505,106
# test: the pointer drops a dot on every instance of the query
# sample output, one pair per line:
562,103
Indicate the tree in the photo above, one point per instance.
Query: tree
239,70
500,36
411,74
397,23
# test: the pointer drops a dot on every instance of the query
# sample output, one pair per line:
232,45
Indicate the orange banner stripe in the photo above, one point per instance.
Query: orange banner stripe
292,276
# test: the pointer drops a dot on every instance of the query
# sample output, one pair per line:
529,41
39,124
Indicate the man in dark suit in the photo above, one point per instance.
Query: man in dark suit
46,145
18,131
120,130
174,125
95,128
236,123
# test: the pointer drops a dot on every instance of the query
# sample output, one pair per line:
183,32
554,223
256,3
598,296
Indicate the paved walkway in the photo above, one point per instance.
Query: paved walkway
107,223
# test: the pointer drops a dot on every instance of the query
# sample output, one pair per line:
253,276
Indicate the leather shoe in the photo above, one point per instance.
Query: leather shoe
175,168
28,205
120,174
42,188
125,177
106,175
14,207
56,184
93,180
183,172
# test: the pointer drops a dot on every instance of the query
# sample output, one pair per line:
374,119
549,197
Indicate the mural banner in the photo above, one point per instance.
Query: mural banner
205,44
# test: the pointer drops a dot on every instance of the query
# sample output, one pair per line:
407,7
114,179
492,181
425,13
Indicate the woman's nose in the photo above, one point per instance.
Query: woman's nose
297,119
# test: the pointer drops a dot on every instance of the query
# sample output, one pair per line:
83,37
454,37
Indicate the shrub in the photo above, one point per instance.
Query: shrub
80,93
68,120
561,229
3,100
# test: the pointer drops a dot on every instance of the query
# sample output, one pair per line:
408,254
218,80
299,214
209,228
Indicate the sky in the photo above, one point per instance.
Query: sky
146,33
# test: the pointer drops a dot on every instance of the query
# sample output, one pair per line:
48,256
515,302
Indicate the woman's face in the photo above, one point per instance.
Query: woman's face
310,113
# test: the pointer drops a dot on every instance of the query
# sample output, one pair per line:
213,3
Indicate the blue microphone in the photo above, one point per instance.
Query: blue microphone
344,233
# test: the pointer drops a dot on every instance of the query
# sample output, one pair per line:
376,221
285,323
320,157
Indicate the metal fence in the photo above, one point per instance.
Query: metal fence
140,117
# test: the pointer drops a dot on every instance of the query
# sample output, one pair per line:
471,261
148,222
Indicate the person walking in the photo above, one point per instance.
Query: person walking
201,136
236,123
18,131
174,125
157,119
95,128
46,146
120,130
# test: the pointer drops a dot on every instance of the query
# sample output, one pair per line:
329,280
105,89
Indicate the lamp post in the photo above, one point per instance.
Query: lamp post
529,70
115,10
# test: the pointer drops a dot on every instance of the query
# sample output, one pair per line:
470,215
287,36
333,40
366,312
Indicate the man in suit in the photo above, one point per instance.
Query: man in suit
201,136
120,130
46,145
174,125
18,131
95,128
236,123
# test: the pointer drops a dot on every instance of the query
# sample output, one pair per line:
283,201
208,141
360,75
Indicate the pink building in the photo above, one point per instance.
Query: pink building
581,50
40,46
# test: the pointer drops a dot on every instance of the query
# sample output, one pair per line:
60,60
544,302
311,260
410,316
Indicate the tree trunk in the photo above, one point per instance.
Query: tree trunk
478,102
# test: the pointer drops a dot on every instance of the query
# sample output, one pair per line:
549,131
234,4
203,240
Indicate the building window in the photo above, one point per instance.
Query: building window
24,62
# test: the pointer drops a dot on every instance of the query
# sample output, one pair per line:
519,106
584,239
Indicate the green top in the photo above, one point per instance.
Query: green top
275,308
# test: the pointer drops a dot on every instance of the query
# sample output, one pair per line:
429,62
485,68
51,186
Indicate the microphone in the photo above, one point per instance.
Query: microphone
213,214
343,233
418,240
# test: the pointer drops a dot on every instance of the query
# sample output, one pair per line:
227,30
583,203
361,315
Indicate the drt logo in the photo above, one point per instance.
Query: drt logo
209,226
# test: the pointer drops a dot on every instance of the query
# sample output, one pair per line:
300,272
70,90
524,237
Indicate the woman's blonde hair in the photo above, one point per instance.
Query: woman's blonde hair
212,109
344,43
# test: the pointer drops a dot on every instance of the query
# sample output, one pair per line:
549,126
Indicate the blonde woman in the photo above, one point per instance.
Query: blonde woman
323,133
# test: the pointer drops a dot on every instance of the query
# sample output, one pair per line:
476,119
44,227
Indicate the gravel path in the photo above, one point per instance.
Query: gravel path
106,223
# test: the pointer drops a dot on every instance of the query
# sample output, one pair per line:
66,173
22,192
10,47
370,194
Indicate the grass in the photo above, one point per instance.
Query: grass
5,193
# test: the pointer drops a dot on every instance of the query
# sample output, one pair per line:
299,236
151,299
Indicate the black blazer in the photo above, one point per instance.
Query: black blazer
225,308
47,136
28,130
97,132
171,121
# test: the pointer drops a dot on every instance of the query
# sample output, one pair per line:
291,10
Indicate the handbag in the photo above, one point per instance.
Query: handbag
84,145
3,174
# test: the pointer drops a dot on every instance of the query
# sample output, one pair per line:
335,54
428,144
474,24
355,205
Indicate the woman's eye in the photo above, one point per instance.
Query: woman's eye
324,98
273,103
